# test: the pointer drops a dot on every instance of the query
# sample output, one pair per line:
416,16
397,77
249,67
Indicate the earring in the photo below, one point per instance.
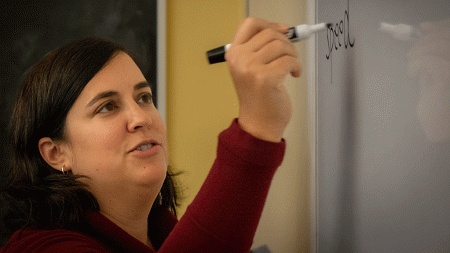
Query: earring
62,169
160,198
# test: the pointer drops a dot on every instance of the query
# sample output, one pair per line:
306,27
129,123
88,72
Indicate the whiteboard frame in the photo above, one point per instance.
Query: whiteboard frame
161,58
311,69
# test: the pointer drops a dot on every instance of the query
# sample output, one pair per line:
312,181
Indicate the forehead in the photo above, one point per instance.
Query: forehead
120,70
120,74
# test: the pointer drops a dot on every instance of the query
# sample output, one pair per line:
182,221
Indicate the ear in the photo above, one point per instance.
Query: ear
55,154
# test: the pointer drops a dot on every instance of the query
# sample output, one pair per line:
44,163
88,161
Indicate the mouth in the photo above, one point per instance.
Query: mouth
144,146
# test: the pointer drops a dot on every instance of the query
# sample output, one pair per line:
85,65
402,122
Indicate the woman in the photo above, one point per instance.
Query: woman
89,170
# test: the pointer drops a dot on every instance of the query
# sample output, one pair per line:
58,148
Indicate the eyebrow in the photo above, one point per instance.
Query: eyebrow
141,85
107,94
102,95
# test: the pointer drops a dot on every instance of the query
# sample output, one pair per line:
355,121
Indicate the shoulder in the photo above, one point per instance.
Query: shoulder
46,241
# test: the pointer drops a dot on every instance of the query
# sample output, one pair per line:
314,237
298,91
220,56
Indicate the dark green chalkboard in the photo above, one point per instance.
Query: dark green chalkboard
31,29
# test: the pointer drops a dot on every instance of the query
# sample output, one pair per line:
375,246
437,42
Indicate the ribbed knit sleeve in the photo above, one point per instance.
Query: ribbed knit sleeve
224,215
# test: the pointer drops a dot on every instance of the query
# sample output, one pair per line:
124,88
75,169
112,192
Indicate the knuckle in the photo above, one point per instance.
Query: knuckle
281,45
278,47
251,21
270,33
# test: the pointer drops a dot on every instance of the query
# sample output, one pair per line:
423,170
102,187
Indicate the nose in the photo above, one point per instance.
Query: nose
138,118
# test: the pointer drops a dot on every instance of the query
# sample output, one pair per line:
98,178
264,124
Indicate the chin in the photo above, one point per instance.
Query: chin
152,175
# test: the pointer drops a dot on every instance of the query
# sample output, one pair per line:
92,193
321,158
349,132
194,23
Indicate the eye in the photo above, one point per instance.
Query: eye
107,107
146,99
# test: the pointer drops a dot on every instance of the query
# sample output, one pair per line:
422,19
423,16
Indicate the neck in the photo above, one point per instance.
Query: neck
130,214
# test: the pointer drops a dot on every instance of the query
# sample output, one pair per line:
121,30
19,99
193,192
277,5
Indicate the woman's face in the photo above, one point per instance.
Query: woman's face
116,136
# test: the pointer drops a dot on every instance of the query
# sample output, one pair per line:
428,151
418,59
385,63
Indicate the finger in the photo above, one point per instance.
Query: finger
283,66
251,26
274,50
264,37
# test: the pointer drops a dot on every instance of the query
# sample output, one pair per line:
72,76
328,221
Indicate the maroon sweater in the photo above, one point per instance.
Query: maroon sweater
222,218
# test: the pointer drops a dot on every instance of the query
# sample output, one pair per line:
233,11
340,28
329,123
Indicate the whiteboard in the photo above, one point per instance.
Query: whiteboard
383,127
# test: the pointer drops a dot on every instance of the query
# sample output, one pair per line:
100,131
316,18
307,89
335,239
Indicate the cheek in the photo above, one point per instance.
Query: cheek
95,145
161,128
166,151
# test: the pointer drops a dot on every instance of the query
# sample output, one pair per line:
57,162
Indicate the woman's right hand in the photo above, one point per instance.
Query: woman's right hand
259,59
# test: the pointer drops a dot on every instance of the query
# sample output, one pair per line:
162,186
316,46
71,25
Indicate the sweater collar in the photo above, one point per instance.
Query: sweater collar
160,224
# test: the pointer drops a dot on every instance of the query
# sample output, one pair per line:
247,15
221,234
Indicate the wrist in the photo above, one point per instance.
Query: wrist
263,133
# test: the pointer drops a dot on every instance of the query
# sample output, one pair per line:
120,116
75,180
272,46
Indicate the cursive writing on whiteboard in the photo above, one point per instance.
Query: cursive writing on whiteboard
341,28
336,32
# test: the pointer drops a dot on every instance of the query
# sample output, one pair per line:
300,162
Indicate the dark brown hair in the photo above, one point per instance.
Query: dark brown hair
37,195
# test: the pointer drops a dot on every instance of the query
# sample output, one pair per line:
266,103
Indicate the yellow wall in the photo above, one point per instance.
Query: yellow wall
285,223
201,100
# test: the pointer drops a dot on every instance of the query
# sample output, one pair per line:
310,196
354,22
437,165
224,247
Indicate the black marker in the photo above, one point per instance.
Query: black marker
297,33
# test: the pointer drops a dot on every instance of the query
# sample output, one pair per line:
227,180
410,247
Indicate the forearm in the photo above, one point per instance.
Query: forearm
225,214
